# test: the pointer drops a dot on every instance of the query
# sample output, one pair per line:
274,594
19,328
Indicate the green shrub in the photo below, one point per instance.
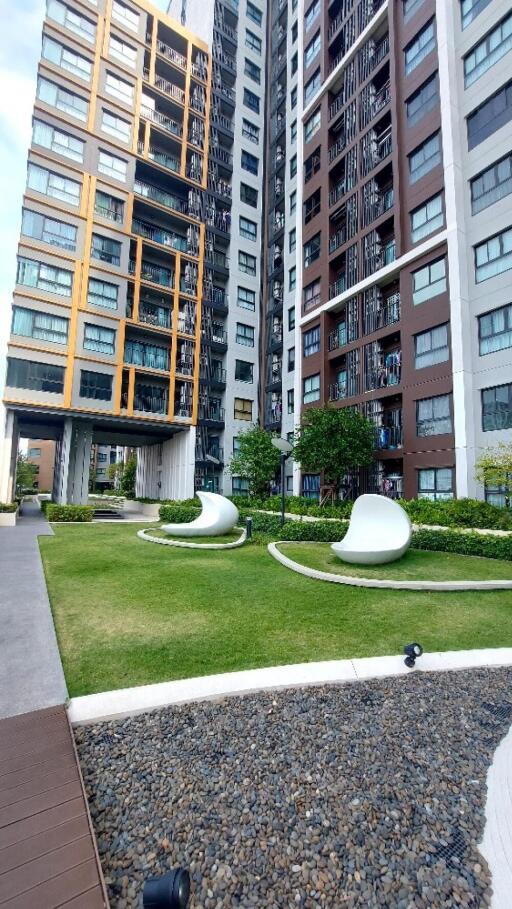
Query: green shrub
8,508
475,544
178,514
458,513
44,505
65,513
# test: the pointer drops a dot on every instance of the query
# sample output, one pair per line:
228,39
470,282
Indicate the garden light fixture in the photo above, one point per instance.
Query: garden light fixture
412,652
285,449
171,891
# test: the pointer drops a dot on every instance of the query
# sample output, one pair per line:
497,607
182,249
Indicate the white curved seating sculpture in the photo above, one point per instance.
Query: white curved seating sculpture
218,516
379,531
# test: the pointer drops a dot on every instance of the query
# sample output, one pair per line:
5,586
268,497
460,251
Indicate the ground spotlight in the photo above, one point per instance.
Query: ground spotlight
171,891
412,652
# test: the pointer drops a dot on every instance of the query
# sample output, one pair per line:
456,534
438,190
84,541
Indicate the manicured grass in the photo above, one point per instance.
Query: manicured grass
415,565
130,613
225,538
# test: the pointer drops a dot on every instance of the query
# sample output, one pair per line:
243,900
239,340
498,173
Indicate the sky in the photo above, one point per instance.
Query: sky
20,50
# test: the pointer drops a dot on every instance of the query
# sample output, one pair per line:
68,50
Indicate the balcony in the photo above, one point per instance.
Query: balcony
148,191
169,88
211,411
379,311
220,121
219,186
220,220
389,437
336,149
373,101
337,104
160,157
225,91
167,123
375,148
377,252
218,153
157,274
371,54
382,370
150,356
217,376
159,235
150,314
225,60
217,258
178,59
366,12
338,336
216,296
376,202
337,192
337,239
150,399
338,391
111,214
338,286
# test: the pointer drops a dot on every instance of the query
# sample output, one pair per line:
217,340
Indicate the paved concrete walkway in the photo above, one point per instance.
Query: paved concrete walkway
31,675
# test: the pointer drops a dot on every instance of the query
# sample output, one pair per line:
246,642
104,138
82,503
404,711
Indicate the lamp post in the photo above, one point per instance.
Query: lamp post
285,450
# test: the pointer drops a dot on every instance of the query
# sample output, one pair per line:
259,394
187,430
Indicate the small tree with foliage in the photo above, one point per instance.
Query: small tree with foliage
25,472
494,468
256,460
127,482
334,441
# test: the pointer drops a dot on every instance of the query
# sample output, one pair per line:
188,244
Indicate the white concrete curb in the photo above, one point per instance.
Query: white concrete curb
129,701
496,846
143,534
373,582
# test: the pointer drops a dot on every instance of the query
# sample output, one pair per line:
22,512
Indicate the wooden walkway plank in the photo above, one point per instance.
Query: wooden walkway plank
39,783
19,853
21,777
53,893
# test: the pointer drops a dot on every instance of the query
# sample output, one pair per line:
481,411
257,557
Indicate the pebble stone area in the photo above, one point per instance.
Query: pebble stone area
368,794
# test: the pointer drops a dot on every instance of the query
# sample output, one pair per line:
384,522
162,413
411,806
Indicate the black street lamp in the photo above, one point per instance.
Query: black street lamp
285,450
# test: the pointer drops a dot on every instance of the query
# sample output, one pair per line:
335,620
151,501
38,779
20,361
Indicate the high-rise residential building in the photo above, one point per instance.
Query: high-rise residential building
267,207
407,233
41,454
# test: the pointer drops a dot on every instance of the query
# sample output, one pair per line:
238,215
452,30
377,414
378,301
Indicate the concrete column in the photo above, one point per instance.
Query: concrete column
8,454
167,472
72,462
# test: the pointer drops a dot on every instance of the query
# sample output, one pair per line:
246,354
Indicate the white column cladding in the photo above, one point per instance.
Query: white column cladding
8,454
459,262
299,257
166,470
72,463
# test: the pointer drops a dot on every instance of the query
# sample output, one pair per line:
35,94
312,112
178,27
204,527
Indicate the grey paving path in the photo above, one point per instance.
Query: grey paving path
31,675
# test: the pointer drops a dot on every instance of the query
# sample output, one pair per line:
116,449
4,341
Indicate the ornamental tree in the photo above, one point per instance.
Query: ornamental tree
25,472
334,441
256,460
494,468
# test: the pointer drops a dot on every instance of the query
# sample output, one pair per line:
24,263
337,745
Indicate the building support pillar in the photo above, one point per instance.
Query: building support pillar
72,463
8,455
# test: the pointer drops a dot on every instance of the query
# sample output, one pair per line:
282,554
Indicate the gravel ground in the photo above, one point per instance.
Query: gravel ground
360,795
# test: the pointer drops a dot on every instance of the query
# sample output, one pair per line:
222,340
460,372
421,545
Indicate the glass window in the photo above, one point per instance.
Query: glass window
253,71
244,371
247,228
490,116
433,416
295,63
429,281
95,385
251,100
312,49
435,483
293,166
250,131
290,400
66,59
240,486
427,218
491,185
32,324
106,250
312,85
497,408
311,295
293,97
312,206
252,41
123,52
410,8
249,195
107,206
311,389
291,318
57,141
311,165
51,184
424,158
244,334
292,278
420,46
246,298
488,51
431,347
311,341
423,100
291,359
293,201
293,131
97,338
249,162
71,20
119,88
126,15
470,9
112,166
102,293
48,230
495,330
312,125
242,409
45,277
292,240
35,376
295,32
494,256
247,263
311,486
34,453
254,13
311,13
115,126
312,250
58,97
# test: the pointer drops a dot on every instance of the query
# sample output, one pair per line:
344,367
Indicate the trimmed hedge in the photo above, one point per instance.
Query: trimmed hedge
475,544
178,514
8,508
458,513
68,513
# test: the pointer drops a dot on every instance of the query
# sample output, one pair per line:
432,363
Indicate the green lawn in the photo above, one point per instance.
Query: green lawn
415,565
129,613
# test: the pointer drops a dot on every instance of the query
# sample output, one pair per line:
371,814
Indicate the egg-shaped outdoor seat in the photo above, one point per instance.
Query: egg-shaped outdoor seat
379,531
218,516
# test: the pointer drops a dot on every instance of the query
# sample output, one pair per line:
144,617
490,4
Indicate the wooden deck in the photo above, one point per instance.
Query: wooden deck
48,855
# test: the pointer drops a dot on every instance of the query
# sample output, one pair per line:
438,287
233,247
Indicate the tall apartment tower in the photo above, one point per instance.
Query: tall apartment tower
106,330
235,231
407,233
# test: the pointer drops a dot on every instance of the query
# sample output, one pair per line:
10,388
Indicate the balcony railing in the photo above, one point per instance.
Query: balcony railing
336,193
225,59
381,202
220,154
338,336
150,399
367,11
388,437
217,258
183,409
167,123
384,376
337,147
337,239
222,121
157,274
149,355
334,26
160,157
174,91
222,187
159,235
217,376
172,54
337,104
384,312
338,391
158,316
216,295
111,214
159,195
225,91
211,412
338,286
